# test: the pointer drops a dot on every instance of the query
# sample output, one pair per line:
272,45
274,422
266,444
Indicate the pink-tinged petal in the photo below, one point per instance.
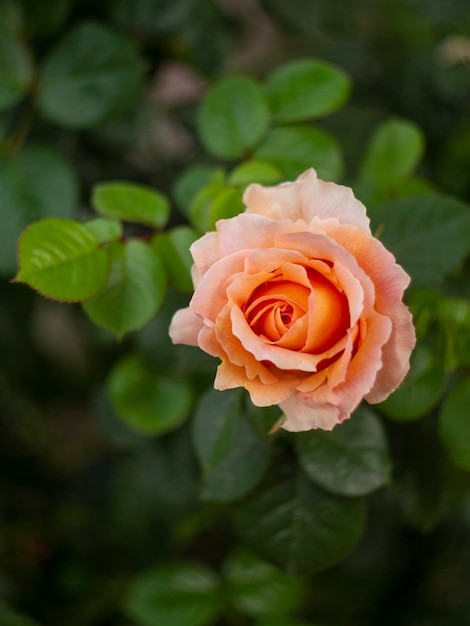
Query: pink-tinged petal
279,202
305,414
268,395
229,376
185,327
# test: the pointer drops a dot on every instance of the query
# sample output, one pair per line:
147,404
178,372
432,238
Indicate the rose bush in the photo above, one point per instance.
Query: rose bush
301,303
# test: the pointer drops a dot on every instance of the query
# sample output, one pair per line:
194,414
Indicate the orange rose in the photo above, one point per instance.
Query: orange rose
301,303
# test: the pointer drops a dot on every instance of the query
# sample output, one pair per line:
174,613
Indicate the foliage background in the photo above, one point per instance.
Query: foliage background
88,504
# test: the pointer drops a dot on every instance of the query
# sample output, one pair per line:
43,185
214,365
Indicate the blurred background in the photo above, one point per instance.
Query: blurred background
86,502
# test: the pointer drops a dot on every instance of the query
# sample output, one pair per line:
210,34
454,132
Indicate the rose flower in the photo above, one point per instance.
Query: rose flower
301,303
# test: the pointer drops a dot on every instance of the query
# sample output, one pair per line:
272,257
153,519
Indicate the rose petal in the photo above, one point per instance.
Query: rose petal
185,327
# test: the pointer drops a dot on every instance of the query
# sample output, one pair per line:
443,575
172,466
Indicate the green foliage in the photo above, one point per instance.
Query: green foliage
172,248
351,460
454,424
92,74
16,70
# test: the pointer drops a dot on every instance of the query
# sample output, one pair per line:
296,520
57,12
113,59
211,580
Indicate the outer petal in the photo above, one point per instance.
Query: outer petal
305,414
185,327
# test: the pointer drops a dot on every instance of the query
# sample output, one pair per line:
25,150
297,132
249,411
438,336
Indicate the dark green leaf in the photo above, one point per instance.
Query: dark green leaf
233,117
454,424
11,17
192,181
421,390
297,525
351,460
294,149
232,456
16,70
429,235
10,617
92,74
62,260
173,248
257,588
150,16
132,203
148,402
393,153
254,171
34,184
306,89
134,291
175,595
45,18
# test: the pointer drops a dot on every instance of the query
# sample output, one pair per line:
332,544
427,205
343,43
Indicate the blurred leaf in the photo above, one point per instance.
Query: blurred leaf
228,203
173,248
16,70
62,260
45,18
257,588
11,17
233,117
135,289
232,456
297,525
132,203
351,460
150,16
254,171
295,149
306,89
393,153
145,400
34,184
429,235
104,229
92,74
454,424
420,391
10,617
175,595
202,204
283,621
192,180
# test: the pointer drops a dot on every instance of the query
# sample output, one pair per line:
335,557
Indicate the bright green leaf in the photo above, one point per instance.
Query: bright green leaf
191,181
421,390
255,171
134,291
233,117
393,153
257,588
145,400
34,184
351,460
201,206
62,260
132,203
306,89
105,230
295,149
232,456
16,70
429,235
228,203
297,525
454,424
186,594
92,74
173,248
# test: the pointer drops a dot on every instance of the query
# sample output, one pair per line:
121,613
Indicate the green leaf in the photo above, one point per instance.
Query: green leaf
232,456
351,460
306,89
92,74
45,18
227,204
283,621
394,151
10,617
233,117
201,206
297,525
152,17
173,248
132,203
148,402
420,391
11,17
104,229
135,289
257,588
186,594
254,171
62,260
429,235
191,181
454,424
295,149
16,70
34,184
